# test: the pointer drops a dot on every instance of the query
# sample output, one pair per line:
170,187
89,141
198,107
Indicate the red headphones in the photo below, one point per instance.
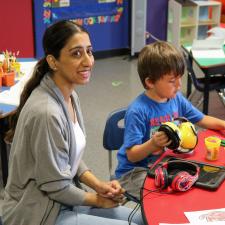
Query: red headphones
177,174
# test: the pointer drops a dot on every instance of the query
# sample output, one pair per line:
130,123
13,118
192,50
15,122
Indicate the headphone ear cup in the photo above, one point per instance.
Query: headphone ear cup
172,135
161,177
189,138
182,181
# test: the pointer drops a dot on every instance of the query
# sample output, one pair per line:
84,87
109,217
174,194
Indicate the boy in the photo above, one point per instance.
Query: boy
160,68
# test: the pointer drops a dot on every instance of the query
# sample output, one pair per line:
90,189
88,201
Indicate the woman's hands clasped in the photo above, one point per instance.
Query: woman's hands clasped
109,194
111,189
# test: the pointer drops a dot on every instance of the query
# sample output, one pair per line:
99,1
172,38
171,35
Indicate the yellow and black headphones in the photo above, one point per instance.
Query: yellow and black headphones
182,134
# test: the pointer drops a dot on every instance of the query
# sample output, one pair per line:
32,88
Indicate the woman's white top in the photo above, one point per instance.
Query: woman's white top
80,144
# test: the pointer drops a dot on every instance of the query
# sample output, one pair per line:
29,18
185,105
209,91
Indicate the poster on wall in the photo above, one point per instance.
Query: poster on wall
88,12
108,17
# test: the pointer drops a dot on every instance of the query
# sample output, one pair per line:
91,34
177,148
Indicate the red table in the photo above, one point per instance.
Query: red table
169,208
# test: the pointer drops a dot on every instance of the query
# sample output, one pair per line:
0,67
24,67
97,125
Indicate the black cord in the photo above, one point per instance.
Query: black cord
136,200
127,194
158,190
138,203
134,211
131,197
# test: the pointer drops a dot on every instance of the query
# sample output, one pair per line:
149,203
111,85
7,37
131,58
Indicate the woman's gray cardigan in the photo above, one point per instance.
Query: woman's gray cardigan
42,156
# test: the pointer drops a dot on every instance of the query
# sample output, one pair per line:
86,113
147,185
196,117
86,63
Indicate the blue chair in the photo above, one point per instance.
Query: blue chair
113,134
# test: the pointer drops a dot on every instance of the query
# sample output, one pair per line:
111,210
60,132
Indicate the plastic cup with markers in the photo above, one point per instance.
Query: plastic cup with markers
212,145
16,67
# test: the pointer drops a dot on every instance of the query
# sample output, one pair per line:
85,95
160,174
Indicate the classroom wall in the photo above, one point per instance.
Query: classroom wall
16,29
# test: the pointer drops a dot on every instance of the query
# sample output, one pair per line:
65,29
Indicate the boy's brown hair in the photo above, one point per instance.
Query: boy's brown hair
158,59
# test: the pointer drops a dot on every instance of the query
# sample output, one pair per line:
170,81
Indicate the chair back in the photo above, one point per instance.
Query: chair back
113,135
195,80
114,130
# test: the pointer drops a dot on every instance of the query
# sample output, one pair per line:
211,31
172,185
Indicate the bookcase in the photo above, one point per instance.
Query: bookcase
189,20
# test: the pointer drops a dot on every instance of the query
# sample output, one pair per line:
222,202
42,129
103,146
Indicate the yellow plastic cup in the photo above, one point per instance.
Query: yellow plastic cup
16,66
212,145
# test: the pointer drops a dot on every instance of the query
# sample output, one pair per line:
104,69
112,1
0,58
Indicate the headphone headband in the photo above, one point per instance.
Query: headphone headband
181,119
182,165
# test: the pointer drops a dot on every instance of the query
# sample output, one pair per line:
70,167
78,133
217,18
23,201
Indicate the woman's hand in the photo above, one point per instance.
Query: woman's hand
93,199
106,202
111,189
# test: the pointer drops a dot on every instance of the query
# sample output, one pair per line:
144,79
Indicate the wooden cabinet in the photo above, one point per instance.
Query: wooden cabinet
189,20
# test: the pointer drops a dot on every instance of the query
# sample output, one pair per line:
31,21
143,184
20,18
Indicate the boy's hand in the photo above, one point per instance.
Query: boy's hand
160,140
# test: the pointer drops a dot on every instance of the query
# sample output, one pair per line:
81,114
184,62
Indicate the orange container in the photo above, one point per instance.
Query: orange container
8,79
1,74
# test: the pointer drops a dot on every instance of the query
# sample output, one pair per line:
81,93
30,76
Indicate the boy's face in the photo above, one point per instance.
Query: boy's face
164,88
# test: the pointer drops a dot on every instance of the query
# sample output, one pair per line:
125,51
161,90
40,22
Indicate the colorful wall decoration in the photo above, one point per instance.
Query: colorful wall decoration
87,12
108,17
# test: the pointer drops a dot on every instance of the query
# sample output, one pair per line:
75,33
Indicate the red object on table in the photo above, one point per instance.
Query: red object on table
170,207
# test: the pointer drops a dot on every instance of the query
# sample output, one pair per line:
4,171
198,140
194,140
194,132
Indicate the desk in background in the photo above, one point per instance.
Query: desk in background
210,67
9,94
6,109
169,208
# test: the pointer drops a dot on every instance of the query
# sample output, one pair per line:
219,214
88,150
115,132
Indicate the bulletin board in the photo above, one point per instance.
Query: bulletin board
108,17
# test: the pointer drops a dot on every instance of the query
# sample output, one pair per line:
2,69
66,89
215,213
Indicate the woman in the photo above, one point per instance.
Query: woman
49,139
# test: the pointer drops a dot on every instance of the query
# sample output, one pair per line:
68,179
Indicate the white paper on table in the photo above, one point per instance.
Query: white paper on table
207,217
12,96
208,43
217,32
206,54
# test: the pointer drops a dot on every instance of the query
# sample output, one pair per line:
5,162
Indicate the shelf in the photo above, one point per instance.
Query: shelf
188,24
189,20
207,3
207,22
